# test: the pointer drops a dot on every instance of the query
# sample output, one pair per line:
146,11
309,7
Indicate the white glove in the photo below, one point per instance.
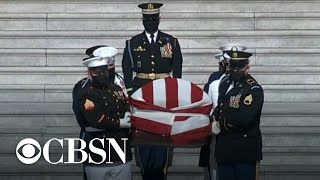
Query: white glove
216,127
125,121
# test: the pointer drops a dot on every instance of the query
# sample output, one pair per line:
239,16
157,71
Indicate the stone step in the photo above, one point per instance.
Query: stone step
188,39
113,6
170,21
191,56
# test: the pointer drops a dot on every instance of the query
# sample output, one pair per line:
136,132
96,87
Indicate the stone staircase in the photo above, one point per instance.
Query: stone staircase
42,45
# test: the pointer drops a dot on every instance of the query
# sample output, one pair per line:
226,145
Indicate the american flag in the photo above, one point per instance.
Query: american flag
174,108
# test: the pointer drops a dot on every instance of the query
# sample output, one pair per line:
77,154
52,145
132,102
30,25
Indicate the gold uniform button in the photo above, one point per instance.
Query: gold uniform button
152,62
152,56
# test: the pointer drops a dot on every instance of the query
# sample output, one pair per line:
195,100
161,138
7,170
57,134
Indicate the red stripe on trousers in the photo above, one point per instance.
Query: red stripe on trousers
171,93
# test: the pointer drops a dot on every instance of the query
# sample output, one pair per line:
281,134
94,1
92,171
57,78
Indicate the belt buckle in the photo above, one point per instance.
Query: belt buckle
152,76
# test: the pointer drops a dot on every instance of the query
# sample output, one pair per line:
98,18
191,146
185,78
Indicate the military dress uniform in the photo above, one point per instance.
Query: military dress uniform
99,112
150,61
239,144
151,56
206,158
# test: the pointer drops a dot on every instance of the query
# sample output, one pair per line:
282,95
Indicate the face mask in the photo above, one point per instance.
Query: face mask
151,26
112,74
100,78
237,76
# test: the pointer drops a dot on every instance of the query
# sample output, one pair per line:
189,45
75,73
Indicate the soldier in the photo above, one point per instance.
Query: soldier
206,155
152,55
101,110
238,147
211,87
114,77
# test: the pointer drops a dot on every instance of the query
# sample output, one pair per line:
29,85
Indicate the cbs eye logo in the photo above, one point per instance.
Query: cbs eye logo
28,151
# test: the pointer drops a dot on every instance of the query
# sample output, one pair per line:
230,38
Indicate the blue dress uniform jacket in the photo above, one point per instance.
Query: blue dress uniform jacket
101,109
141,57
238,113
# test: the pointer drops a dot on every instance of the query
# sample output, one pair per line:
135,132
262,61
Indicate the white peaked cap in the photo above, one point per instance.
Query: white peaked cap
101,56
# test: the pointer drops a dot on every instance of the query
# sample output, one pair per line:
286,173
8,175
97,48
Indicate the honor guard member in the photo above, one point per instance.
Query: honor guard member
102,111
211,88
114,77
238,148
205,159
152,55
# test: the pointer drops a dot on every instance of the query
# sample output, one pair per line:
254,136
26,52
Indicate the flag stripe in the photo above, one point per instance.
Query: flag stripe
184,94
189,124
147,92
196,94
200,135
181,118
171,93
151,126
159,93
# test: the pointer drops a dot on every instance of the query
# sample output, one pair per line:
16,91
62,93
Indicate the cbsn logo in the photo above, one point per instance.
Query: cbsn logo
29,157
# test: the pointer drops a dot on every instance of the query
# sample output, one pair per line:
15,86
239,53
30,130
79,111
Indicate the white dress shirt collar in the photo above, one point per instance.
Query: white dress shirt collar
149,38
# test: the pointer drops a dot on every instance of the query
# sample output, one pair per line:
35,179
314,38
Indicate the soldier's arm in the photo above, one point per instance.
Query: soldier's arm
177,60
127,68
248,114
95,113
76,104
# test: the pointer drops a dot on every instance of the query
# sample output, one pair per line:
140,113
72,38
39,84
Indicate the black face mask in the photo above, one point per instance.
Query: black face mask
112,74
100,79
237,76
151,26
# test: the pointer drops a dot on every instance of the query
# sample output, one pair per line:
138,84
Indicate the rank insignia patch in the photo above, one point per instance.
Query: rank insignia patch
248,100
89,105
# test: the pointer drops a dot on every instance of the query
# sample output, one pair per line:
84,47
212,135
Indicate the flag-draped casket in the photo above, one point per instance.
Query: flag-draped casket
172,112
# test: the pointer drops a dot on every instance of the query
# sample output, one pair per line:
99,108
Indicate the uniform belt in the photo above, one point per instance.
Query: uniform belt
152,75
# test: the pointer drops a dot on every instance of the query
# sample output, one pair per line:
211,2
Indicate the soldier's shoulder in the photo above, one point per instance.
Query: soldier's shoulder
168,36
225,78
81,83
137,37
81,86
253,83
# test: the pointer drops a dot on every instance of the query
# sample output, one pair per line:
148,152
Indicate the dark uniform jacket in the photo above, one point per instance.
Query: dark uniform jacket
238,113
141,57
205,150
101,109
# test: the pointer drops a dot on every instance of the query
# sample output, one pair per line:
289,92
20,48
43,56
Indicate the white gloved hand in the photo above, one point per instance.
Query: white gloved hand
216,127
125,121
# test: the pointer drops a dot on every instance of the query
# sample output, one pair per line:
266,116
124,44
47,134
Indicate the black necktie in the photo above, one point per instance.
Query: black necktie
152,40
